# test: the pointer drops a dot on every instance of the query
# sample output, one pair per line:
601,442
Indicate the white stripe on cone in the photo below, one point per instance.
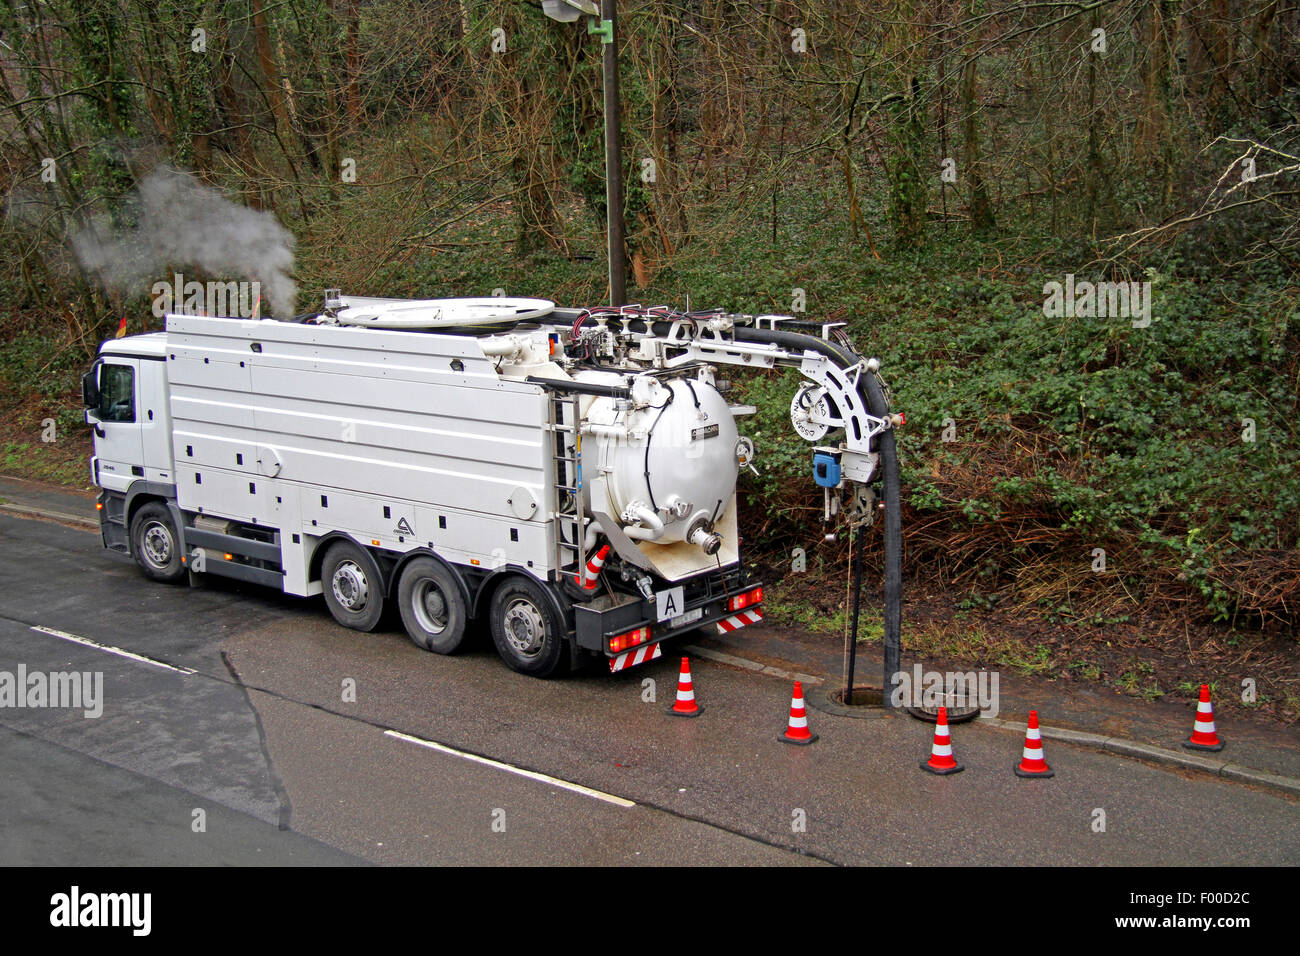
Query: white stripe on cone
593,568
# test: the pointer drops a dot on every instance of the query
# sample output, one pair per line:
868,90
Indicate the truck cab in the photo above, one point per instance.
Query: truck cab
125,397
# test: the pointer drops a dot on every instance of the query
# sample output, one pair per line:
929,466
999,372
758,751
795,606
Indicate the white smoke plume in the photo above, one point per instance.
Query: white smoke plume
180,223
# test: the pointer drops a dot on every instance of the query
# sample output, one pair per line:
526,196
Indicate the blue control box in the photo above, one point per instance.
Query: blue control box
826,469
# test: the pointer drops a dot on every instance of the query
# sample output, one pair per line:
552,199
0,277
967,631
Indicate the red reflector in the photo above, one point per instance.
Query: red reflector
747,599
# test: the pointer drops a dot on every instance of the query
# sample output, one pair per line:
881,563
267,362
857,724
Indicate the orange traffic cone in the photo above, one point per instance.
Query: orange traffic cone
797,731
591,576
685,705
1032,763
1204,736
941,760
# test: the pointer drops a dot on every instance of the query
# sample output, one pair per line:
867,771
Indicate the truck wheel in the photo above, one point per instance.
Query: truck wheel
433,610
354,590
529,635
154,543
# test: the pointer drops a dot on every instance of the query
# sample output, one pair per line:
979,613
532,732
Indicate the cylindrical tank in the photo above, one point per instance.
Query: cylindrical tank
668,456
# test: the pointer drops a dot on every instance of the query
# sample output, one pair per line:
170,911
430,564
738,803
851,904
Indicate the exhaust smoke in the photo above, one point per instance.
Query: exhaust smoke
179,222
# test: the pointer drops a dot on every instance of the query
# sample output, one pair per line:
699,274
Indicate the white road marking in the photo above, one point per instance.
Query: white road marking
509,768
120,652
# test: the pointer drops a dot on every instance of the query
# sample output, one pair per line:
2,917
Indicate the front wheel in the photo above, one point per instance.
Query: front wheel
155,544
433,608
354,590
527,631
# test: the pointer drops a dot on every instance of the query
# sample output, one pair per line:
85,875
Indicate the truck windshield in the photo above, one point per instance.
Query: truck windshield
116,393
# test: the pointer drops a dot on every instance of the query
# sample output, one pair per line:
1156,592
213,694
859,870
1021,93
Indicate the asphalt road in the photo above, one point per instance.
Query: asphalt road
457,760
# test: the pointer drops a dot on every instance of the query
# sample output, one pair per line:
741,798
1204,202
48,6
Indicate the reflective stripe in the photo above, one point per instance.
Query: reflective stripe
632,658
737,621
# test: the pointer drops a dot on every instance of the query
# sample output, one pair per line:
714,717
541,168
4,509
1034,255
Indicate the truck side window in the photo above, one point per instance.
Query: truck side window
116,394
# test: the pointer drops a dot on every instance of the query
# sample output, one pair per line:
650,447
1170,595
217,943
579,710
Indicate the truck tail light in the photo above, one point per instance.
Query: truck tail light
621,642
744,600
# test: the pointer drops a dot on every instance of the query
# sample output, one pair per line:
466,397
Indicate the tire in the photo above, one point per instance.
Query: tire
528,633
155,544
433,606
353,586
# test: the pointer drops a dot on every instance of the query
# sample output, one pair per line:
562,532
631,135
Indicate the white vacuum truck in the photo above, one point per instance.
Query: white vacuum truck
568,475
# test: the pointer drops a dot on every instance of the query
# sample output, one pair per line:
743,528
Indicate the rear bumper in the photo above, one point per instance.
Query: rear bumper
705,609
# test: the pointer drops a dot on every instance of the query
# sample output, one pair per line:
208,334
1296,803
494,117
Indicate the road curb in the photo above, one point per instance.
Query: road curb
744,663
21,511
1160,755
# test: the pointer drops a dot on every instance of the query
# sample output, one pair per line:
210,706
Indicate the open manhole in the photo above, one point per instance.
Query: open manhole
861,697
867,701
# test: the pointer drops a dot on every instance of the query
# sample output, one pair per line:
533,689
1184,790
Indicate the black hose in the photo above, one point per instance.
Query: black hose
648,437
873,393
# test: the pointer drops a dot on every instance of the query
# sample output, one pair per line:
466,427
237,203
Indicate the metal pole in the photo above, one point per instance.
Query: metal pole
613,163
855,562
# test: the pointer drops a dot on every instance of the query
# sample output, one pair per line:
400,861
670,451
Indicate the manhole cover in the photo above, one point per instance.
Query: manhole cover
867,702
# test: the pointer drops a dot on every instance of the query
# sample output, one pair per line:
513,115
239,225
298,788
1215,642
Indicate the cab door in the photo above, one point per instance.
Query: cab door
119,448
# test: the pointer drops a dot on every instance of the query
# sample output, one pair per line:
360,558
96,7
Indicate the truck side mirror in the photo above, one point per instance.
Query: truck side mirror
90,387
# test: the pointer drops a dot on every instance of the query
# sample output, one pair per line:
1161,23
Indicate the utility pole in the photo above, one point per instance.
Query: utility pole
613,158
601,22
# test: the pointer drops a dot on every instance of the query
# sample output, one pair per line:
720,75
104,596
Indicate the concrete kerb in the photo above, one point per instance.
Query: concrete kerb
1160,755
40,514
1107,744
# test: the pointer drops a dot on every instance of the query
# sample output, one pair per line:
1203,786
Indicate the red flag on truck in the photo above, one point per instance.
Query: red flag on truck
121,328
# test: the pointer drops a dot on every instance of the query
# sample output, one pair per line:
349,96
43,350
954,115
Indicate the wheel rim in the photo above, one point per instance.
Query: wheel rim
156,544
524,627
430,606
350,587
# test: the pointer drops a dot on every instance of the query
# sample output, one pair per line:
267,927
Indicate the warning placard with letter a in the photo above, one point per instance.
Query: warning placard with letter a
670,603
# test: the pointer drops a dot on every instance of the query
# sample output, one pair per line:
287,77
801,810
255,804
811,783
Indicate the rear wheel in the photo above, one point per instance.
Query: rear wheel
154,543
527,631
354,590
433,609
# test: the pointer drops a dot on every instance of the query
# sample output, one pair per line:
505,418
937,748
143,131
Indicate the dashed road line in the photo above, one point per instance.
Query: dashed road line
511,768
120,652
